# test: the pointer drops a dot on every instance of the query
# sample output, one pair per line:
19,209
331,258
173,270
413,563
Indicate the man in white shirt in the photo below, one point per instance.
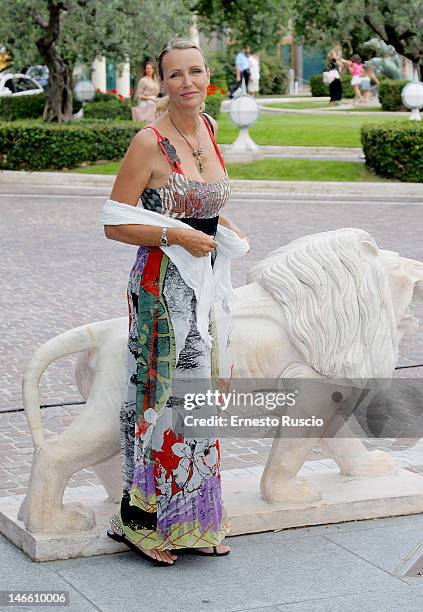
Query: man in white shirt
242,66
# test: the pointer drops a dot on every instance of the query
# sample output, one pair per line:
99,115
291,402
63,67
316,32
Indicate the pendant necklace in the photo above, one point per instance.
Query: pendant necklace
196,152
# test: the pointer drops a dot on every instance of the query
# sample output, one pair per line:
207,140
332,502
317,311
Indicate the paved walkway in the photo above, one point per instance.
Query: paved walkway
346,566
62,273
346,108
349,154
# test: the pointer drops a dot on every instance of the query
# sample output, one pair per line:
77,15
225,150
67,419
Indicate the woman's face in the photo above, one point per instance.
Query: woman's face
185,78
149,70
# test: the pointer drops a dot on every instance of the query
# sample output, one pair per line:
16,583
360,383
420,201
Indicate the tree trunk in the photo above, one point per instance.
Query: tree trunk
58,107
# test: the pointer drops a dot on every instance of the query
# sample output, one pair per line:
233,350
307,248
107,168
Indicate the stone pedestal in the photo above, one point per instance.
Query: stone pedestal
244,149
343,499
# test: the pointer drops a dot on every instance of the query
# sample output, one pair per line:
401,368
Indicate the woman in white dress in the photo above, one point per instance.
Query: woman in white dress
254,82
148,89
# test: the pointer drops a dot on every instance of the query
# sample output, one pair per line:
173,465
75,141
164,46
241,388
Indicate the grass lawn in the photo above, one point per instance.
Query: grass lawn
300,105
302,130
276,169
367,109
317,105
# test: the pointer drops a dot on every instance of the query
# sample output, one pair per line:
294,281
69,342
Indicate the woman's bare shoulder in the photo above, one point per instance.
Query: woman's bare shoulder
136,168
144,141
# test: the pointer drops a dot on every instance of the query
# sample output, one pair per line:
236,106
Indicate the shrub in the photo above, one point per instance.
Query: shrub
110,109
219,69
36,145
390,95
319,89
213,102
273,76
22,107
13,108
101,96
394,150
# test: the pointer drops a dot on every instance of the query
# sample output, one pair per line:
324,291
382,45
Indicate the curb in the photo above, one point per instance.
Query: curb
290,151
70,180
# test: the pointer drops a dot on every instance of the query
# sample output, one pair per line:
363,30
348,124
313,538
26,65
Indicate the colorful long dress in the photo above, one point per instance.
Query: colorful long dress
171,484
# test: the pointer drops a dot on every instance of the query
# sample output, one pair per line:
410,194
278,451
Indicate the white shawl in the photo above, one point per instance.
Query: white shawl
209,284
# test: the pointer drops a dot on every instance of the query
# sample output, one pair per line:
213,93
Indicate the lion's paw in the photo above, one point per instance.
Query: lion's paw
66,519
378,463
76,517
292,490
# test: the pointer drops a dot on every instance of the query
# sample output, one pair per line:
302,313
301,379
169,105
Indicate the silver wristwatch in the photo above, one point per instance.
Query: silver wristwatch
163,237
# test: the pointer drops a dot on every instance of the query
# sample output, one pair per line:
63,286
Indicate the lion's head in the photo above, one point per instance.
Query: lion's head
338,296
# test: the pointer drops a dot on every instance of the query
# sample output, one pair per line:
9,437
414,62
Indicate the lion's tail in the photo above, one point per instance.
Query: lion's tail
72,341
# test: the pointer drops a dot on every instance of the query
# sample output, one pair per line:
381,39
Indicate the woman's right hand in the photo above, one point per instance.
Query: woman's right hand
194,241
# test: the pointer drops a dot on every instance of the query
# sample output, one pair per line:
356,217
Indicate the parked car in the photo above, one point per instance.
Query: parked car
18,85
40,73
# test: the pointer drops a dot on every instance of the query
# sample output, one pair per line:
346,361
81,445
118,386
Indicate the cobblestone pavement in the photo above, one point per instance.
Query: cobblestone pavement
60,272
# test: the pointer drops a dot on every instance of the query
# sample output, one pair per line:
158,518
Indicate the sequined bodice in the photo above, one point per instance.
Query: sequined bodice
194,202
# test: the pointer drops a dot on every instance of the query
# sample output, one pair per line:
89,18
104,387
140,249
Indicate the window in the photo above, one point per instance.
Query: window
22,84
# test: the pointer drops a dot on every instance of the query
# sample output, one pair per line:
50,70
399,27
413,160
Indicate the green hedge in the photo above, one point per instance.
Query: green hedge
218,68
273,76
110,109
35,145
394,150
13,108
213,103
319,89
101,96
390,95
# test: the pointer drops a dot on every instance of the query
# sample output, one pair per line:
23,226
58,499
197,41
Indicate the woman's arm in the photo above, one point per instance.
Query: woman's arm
230,225
346,63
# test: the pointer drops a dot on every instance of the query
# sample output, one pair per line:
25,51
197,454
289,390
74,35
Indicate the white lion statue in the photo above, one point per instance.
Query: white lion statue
325,305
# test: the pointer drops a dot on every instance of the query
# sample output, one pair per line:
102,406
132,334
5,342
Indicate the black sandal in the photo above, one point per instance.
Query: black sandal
196,551
121,538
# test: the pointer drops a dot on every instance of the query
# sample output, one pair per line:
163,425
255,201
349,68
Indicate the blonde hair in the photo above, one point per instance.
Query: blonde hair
162,104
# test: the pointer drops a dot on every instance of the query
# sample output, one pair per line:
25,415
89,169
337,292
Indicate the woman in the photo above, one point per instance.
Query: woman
172,495
335,85
147,91
366,82
254,80
355,66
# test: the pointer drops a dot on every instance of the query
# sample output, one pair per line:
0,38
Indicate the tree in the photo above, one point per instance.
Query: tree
257,23
399,24
60,33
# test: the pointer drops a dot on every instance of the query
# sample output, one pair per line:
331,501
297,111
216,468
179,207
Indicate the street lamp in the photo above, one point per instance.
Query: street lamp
244,112
84,91
412,97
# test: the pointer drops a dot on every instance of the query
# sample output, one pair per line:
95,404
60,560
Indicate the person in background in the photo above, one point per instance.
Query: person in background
148,89
254,80
242,66
355,66
368,77
335,86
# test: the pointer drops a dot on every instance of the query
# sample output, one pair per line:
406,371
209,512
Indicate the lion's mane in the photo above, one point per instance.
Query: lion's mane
337,302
